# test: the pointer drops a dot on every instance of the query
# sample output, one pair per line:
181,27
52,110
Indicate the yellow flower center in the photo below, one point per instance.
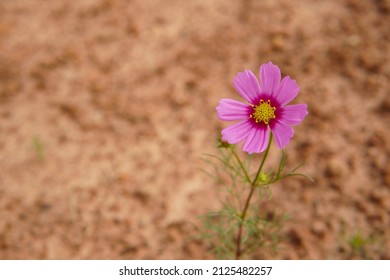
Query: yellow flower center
263,112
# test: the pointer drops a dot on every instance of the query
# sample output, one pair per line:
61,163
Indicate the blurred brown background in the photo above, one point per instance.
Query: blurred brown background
106,107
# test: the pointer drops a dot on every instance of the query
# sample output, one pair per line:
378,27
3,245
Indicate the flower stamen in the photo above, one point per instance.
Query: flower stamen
263,112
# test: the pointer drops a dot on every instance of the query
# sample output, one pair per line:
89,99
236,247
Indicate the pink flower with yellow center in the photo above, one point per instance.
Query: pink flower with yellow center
266,110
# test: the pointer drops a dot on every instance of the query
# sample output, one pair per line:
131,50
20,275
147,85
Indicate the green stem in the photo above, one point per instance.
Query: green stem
241,164
263,161
247,202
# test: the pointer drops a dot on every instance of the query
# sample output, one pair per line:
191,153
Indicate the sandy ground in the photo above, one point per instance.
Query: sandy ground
107,107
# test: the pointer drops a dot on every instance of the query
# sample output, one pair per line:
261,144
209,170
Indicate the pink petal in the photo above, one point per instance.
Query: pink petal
247,85
287,91
257,140
282,133
232,110
237,132
293,114
269,78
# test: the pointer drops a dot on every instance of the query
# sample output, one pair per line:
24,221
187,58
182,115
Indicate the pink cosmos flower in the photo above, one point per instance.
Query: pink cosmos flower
266,109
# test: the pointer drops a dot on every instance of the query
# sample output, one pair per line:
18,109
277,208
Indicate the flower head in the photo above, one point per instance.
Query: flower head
266,109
